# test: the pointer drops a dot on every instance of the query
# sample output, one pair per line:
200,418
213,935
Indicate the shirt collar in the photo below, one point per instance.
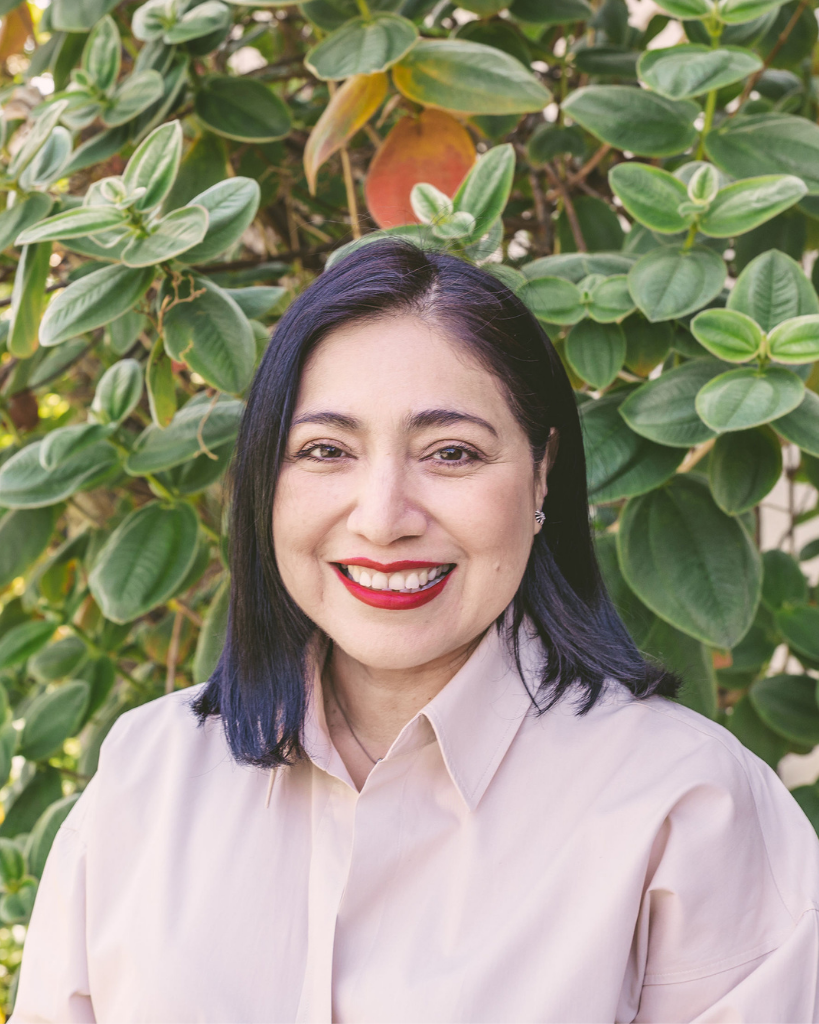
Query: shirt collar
474,718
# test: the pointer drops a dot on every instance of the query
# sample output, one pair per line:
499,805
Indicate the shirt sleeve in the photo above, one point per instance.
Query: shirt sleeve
53,985
728,925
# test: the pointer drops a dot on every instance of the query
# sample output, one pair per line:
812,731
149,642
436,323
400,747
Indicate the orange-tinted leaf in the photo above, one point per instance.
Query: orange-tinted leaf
433,148
15,30
351,107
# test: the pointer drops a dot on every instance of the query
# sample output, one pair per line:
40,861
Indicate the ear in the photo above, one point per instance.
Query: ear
542,471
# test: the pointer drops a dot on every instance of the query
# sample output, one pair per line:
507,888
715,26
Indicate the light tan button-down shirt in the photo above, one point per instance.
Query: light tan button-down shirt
635,863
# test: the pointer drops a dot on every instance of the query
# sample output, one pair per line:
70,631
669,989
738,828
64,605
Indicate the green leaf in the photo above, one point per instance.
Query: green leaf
619,463
25,484
65,442
28,299
101,57
748,397
736,12
610,301
800,628
58,660
484,192
242,109
160,385
150,20
95,150
362,47
208,17
692,662
784,582
470,78
136,94
551,12
40,132
211,334
608,61
51,718
767,144
45,831
703,184
551,140
795,340
16,907
12,862
687,9
743,468
39,791
217,423
750,730
634,119
596,351
170,236
599,226
79,15
144,560
691,564
231,206
553,299
773,288
728,334
93,301
680,72
787,705
153,166
647,345
747,204
808,799
637,618
669,283
21,642
24,536
212,635
801,427
651,195
76,223
15,219
663,410
575,266
49,163
118,392
256,302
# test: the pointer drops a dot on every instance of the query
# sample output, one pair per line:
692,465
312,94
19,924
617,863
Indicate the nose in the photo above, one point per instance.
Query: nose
384,511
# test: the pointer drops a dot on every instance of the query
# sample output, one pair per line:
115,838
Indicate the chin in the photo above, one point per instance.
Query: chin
398,647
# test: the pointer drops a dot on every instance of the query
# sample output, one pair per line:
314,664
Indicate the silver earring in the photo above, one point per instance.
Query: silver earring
540,518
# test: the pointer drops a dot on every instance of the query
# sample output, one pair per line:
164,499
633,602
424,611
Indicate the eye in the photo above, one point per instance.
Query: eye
456,454
322,453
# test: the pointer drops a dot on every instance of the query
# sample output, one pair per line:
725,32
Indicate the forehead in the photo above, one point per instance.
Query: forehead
403,361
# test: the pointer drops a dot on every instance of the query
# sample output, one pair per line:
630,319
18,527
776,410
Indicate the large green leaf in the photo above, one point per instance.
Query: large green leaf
801,427
575,266
692,662
58,660
783,582
45,831
634,119
728,334
137,93
256,302
637,618
691,564
664,410
41,789
216,423
93,301
76,223
168,237
747,204
647,345
24,535
750,730
669,283
743,468
144,560
21,642
773,288
25,484
688,9
79,15
118,391
767,144
362,47
212,636
25,212
231,206
680,72
787,704
610,301
211,334
102,55
651,195
37,137
65,442
620,463
470,78
800,628
795,341
748,396
48,164
243,109
485,190
51,718
737,12
596,351
553,299
202,20
28,299
153,165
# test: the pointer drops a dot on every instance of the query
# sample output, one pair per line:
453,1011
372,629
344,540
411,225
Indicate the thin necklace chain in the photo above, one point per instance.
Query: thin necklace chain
340,707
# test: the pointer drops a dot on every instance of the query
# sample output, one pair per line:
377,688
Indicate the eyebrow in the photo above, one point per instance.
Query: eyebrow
427,418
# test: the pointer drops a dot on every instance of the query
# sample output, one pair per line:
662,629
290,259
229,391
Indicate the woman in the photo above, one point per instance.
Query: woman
432,779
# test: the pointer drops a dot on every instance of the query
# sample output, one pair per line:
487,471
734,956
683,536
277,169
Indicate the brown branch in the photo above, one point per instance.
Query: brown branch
189,613
51,288
589,165
568,206
783,38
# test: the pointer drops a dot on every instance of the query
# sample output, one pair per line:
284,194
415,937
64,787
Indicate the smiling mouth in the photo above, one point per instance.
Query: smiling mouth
409,581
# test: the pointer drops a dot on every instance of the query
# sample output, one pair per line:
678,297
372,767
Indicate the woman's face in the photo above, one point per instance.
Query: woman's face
404,513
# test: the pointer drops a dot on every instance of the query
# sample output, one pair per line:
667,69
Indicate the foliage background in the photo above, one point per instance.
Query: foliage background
174,172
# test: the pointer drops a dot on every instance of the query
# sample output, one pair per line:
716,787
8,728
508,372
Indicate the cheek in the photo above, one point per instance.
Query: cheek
301,519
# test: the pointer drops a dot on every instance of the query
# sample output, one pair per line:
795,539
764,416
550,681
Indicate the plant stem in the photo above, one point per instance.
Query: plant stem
692,234
364,9
710,108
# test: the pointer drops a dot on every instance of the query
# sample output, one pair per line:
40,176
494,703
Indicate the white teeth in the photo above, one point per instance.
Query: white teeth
413,582
380,581
433,573
397,581
423,577
365,579
355,572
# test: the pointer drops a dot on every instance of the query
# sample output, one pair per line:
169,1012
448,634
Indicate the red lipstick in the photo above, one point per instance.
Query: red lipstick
392,599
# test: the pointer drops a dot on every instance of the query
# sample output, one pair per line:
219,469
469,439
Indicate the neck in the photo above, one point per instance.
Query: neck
376,704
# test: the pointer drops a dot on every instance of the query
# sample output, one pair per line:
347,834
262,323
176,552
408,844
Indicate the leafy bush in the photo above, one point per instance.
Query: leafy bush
175,170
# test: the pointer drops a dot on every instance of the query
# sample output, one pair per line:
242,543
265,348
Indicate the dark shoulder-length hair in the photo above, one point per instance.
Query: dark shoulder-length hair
258,687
